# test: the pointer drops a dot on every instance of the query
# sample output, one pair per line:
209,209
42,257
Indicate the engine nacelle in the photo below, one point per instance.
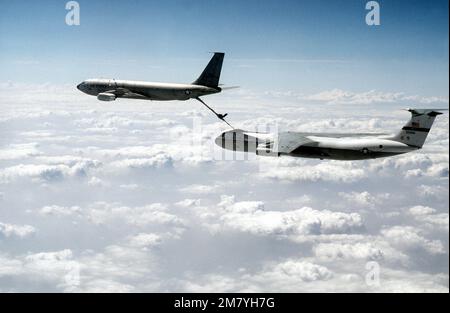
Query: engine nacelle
106,96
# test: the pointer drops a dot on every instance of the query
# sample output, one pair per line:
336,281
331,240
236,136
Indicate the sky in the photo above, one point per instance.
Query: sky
134,196
305,46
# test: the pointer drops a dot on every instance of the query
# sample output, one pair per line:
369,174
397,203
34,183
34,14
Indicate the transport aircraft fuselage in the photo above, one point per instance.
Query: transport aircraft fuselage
334,146
110,89
206,84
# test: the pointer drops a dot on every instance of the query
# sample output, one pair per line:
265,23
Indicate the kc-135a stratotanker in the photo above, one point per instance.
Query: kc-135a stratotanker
206,84
334,146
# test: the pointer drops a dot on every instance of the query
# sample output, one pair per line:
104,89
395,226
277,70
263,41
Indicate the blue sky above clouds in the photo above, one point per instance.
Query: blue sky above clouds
303,45
132,195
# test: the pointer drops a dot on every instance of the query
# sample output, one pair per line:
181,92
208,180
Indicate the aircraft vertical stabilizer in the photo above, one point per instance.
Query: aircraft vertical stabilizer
211,74
417,128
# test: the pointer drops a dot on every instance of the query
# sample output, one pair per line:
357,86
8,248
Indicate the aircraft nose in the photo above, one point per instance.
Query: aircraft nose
80,86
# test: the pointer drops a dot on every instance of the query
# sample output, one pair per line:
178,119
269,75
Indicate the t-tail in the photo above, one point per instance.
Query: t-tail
211,74
416,130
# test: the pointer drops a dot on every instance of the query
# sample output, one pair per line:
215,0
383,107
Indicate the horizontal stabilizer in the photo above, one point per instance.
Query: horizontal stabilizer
230,87
430,112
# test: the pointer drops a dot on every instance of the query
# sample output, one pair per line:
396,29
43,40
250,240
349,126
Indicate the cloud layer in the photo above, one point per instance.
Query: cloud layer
134,196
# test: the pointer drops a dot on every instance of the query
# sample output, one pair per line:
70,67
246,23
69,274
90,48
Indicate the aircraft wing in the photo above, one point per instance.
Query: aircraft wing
126,93
288,142
342,135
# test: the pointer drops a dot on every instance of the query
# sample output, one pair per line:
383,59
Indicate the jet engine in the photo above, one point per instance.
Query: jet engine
106,96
